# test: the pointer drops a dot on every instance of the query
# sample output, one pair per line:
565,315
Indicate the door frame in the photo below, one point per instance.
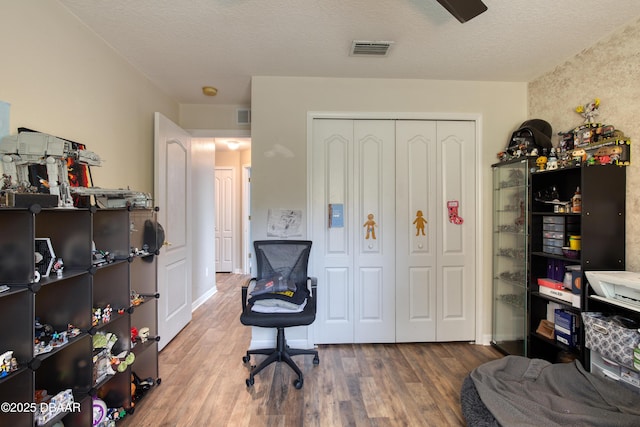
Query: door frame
246,244
246,218
362,115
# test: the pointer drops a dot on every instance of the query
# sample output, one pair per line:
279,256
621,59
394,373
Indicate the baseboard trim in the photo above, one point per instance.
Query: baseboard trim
197,303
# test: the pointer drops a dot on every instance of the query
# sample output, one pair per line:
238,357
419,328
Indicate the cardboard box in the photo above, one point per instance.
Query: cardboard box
561,294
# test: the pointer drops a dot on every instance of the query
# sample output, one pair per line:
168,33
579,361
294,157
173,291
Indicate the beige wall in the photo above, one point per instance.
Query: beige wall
281,182
202,116
63,80
608,70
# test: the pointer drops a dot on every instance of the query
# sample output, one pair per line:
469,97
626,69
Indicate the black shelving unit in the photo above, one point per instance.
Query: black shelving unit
601,226
69,299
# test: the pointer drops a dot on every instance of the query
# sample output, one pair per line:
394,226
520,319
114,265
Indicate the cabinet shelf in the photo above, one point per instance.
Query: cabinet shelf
567,305
13,374
553,343
69,299
553,256
44,355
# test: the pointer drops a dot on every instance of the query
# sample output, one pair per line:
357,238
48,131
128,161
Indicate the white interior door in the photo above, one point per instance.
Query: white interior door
332,254
225,214
457,255
435,265
417,211
172,183
354,256
375,236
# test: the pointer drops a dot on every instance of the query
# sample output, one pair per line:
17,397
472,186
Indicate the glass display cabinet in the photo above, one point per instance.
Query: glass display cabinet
511,197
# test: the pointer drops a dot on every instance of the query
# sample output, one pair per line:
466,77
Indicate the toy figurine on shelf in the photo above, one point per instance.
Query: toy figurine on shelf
58,267
58,339
97,315
589,111
144,334
136,299
8,363
106,314
140,386
541,162
72,331
552,161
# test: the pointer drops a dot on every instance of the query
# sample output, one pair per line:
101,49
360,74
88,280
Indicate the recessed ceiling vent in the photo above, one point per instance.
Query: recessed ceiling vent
370,48
243,116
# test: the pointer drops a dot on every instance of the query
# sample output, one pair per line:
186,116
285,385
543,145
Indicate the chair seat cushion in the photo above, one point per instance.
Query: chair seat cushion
280,320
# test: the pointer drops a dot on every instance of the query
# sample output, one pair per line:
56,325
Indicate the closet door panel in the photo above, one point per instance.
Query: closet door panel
453,280
374,175
332,252
337,187
421,296
416,210
456,225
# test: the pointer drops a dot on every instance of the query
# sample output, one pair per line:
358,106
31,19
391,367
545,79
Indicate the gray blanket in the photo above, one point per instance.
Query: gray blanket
532,392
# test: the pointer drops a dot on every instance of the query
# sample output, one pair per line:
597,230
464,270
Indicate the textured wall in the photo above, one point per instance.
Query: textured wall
608,70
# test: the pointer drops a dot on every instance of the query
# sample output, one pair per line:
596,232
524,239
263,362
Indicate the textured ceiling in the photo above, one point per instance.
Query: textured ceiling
182,45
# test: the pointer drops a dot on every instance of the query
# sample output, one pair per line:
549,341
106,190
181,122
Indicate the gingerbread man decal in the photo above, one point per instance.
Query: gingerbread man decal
419,223
370,225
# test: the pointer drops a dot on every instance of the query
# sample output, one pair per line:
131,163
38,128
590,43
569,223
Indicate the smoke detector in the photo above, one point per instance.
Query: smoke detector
370,48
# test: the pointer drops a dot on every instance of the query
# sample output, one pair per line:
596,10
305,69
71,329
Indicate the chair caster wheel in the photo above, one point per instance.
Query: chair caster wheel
316,360
298,384
245,359
250,381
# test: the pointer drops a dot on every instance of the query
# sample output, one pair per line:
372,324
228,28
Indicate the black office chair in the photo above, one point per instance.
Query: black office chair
288,258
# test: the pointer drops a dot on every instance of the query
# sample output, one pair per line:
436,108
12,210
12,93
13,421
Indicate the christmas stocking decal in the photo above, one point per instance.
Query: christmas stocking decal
453,212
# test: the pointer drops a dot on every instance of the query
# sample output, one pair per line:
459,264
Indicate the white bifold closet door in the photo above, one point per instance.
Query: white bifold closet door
394,286
354,169
435,272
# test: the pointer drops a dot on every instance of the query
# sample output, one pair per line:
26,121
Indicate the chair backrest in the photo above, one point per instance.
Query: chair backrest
289,258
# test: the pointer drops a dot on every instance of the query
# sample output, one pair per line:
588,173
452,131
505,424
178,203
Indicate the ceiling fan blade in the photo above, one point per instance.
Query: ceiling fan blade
464,10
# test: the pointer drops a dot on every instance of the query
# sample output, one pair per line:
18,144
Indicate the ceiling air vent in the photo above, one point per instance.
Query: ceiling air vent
243,116
369,48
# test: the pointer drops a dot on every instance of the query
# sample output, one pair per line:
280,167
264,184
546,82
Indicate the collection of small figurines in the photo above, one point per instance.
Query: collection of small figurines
105,363
140,387
8,363
590,143
46,338
141,336
99,258
101,315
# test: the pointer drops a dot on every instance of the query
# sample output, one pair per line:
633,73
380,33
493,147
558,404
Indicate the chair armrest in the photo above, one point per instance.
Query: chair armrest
245,292
312,284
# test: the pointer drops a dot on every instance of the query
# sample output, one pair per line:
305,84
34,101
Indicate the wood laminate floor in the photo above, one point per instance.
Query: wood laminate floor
203,379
